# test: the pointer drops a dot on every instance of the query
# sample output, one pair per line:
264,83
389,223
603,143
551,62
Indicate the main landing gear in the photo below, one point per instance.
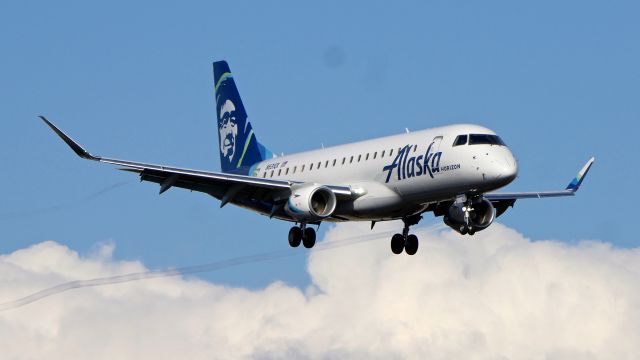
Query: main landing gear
304,234
405,241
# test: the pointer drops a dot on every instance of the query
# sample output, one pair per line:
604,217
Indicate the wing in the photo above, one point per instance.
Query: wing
224,186
570,190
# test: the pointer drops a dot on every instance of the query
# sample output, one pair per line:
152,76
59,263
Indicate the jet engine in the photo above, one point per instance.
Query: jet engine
470,216
311,202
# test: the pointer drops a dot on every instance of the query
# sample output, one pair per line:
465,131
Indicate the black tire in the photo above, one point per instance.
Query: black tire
309,238
411,246
397,244
295,236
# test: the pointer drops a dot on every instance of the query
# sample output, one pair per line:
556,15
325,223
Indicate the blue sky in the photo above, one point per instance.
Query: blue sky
559,81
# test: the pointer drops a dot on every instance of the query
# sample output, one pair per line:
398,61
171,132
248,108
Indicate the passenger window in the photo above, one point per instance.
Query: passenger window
294,169
344,159
264,175
334,162
359,157
460,140
367,157
351,160
319,163
279,172
391,152
311,167
415,148
375,154
271,175
382,155
326,164
286,171
302,170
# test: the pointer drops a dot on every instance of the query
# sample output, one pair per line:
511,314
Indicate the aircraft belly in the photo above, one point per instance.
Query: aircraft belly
425,189
379,202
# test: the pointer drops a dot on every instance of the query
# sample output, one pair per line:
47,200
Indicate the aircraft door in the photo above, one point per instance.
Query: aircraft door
436,144
436,155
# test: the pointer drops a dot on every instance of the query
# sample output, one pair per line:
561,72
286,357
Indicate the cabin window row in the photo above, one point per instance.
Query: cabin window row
345,160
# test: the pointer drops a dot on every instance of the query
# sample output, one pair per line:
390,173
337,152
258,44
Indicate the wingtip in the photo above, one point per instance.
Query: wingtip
79,150
587,166
45,120
577,181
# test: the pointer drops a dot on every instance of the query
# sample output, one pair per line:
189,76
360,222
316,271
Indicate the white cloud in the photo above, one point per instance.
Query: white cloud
496,295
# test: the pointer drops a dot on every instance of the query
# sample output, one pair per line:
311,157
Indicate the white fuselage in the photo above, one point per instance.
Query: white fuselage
401,173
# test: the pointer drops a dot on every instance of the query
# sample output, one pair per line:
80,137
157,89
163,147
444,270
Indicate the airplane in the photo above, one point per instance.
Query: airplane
450,171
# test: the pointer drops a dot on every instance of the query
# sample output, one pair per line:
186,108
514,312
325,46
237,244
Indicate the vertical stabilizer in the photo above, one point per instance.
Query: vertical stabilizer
239,148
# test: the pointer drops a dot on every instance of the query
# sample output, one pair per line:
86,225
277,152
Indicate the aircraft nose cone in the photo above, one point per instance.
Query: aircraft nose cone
510,171
504,170
507,169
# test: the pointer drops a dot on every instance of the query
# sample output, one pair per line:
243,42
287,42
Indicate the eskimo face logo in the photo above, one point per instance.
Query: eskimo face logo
408,167
228,128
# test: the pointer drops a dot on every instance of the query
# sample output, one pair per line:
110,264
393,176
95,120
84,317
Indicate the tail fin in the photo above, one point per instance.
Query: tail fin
239,148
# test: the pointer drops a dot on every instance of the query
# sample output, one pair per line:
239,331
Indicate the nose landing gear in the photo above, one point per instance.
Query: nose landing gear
302,234
309,238
405,241
295,236
411,245
397,243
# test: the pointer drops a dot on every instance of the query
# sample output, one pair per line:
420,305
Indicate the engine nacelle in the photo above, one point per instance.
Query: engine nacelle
467,218
311,202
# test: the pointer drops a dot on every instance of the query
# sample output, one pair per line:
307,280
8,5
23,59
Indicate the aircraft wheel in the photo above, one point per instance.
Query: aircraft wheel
397,243
411,246
295,236
463,230
471,232
309,238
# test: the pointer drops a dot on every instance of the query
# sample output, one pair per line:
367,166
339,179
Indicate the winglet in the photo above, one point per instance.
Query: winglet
577,181
72,144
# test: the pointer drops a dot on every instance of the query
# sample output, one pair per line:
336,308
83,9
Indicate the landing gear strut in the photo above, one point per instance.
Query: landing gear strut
302,234
405,241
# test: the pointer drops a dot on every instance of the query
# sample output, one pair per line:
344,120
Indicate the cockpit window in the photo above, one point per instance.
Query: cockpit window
476,139
460,140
